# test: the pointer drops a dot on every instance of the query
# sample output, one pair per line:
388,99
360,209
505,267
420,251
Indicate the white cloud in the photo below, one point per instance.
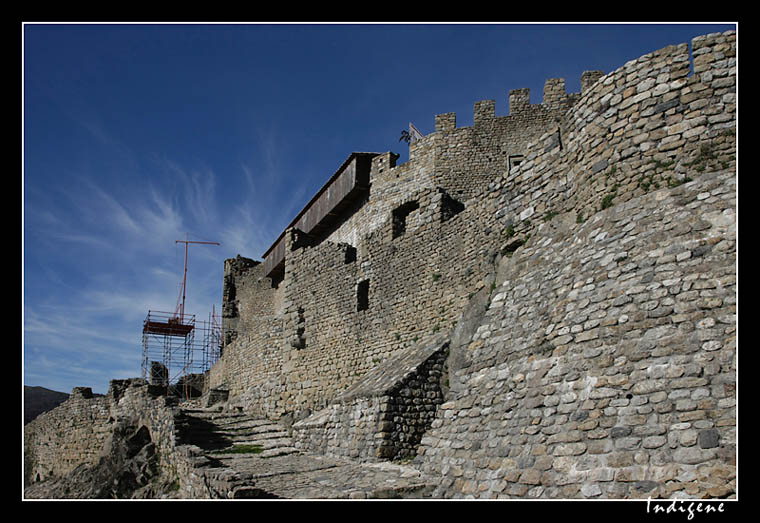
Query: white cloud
197,189
119,237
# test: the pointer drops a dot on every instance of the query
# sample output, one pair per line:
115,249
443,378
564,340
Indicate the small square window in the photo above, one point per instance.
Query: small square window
399,217
515,160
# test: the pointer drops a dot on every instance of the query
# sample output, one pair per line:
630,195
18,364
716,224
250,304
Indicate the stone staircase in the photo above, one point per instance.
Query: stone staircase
236,455
221,434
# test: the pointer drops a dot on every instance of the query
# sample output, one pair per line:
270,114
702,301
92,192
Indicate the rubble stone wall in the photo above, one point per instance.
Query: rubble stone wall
605,365
73,433
78,431
385,414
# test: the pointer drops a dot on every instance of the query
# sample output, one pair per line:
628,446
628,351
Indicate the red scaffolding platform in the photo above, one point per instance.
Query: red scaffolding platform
178,351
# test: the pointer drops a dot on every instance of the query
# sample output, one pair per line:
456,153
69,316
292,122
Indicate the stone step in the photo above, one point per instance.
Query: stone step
232,432
215,431
253,426
222,456
266,443
222,436
220,443
279,451
260,428
218,419
273,468
216,415
245,422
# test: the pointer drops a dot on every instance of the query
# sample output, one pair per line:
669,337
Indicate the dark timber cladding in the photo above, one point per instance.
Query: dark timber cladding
349,182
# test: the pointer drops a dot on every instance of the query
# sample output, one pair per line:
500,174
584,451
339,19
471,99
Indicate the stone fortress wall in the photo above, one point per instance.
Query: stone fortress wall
418,279
59,440
600,226
539,305
78,431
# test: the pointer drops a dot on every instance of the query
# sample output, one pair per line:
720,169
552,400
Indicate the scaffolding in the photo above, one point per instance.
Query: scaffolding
178,351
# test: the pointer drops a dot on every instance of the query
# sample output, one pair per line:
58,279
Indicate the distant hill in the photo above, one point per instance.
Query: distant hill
39,399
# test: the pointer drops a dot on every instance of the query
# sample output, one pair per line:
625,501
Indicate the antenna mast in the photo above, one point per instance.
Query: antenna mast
180,312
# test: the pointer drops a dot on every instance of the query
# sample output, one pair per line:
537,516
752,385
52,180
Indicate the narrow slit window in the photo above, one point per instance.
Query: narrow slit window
362,296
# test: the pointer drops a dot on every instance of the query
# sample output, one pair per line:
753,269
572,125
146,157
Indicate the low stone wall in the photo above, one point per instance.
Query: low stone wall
73,433
78,432
385,414
145,405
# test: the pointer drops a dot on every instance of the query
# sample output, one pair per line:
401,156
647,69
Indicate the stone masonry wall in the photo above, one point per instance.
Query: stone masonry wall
461,161
73,433
250,367
246,296
605,365
251,361
417,284
468,158
644,126
326,344
622,196
81,430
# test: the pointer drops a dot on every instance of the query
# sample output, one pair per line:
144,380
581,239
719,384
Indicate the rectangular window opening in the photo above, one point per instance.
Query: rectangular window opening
349,253
449,207
362,296
399,217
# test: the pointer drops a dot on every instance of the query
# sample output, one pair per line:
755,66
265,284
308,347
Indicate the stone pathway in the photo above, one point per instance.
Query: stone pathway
249,457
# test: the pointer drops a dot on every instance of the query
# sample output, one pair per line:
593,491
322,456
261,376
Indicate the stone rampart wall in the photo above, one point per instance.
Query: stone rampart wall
418,280
468,158
644,126
78,431
416,286
59,440
605,365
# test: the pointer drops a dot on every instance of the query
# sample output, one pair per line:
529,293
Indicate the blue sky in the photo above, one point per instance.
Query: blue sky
136,136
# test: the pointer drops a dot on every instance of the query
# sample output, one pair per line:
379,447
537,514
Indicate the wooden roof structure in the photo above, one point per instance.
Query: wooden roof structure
350,182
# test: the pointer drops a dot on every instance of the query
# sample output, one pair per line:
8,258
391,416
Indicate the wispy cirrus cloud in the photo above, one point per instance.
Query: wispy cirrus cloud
196,189
254,224
103,251
268,201
99,259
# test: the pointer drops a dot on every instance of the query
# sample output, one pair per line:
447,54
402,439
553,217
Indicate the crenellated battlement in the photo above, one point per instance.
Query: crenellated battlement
555,99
